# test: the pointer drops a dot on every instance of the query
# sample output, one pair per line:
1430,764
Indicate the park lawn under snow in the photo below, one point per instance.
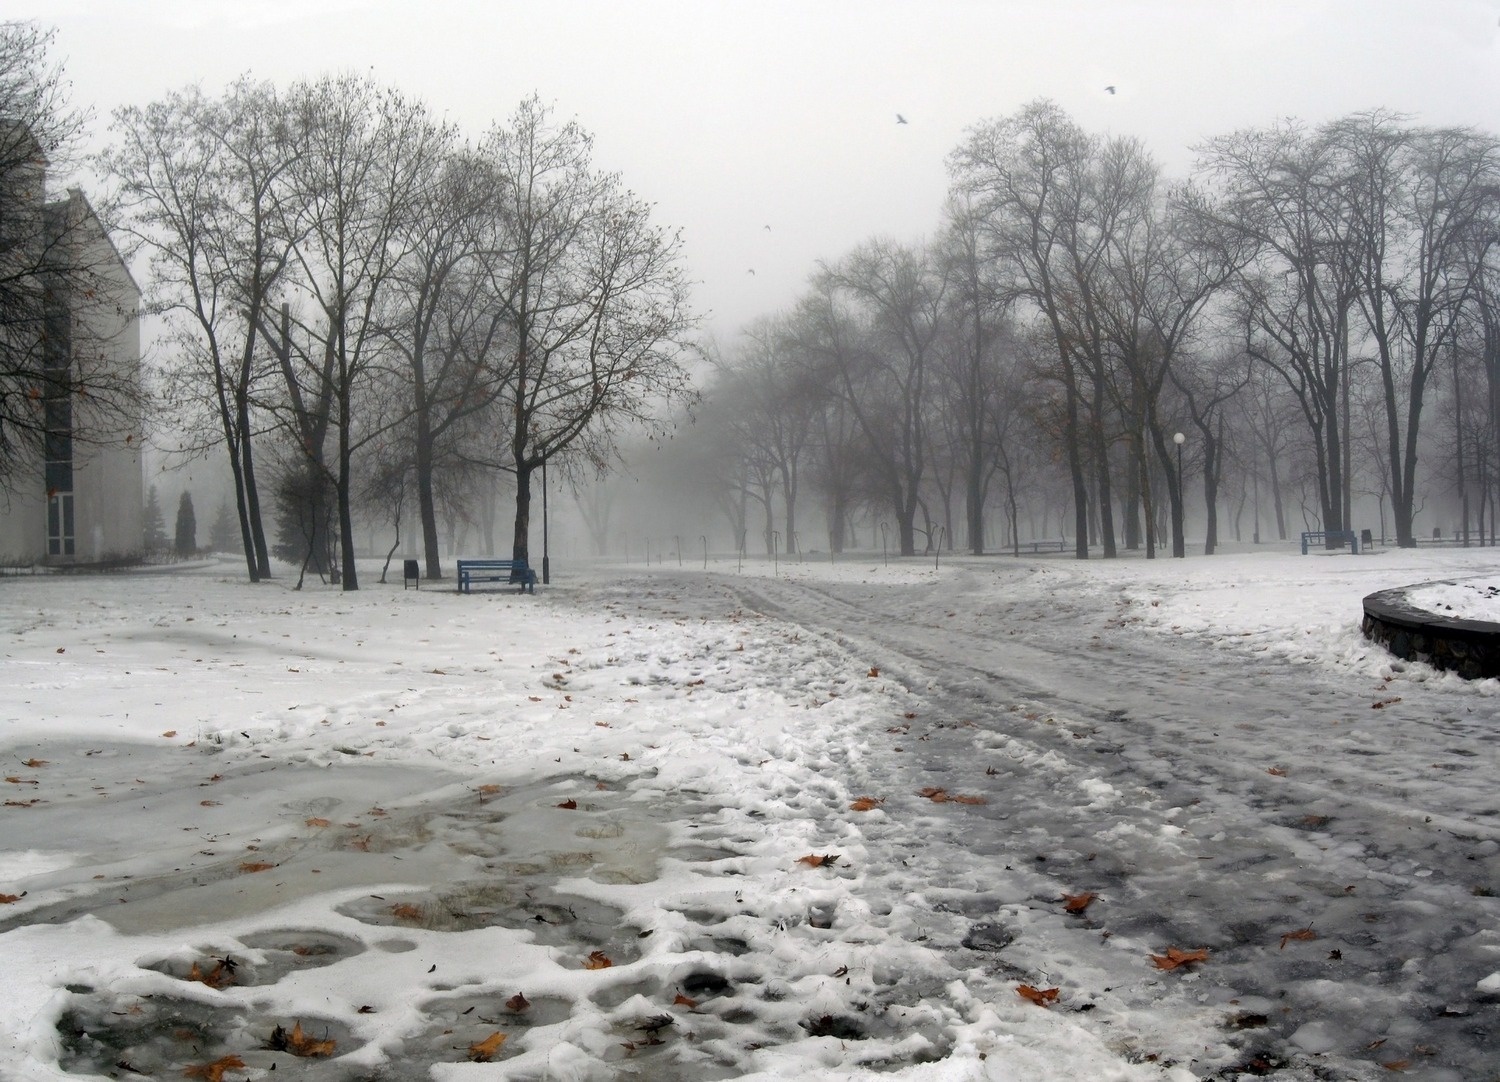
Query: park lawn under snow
617,833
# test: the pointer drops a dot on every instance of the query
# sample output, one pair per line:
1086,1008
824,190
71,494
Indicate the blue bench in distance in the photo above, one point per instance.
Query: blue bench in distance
510,572
1328,537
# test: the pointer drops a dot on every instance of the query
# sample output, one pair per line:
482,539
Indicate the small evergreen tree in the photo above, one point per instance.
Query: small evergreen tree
154,527
187,526
224,536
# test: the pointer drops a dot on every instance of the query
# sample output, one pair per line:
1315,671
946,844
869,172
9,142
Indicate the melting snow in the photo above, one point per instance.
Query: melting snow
385,815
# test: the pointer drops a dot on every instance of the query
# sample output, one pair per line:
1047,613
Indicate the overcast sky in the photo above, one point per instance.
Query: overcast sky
736,116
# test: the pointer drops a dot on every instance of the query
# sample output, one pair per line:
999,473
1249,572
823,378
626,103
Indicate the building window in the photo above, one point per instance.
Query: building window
60,540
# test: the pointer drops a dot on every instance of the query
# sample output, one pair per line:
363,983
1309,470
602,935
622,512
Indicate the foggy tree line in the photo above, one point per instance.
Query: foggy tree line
1315,309
372,315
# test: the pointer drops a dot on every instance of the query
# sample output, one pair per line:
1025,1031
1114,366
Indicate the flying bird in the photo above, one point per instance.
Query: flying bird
768,229
900,119
1110,89
750,271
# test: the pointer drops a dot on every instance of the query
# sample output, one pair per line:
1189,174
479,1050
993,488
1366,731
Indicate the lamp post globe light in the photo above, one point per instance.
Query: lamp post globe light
1179,439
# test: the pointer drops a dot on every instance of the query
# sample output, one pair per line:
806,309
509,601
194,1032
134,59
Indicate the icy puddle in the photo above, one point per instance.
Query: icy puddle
359,921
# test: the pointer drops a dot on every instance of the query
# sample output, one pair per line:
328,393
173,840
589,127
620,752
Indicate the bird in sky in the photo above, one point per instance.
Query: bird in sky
900,119
750,271
768,229
1110,89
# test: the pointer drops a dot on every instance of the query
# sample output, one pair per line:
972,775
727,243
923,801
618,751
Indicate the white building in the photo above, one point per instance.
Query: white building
81,500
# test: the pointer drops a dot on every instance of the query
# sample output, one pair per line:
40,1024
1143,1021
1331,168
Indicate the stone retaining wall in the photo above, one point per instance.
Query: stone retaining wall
1470,648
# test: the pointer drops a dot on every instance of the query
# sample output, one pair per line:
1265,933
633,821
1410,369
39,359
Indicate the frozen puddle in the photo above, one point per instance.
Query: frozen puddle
304,927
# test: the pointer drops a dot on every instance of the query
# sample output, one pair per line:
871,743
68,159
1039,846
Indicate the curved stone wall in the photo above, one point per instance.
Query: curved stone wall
1470,648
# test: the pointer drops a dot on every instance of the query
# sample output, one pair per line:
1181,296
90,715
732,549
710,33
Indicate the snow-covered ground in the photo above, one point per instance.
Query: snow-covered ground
999,819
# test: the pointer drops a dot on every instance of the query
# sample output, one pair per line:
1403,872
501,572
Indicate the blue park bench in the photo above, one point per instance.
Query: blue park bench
510,572
1328,537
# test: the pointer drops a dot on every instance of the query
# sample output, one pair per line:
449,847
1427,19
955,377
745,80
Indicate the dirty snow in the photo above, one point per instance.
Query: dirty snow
407,822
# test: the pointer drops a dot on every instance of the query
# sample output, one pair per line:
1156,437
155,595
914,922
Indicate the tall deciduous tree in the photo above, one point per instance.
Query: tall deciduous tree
891,301
199,182
1053,198
369,156
595,300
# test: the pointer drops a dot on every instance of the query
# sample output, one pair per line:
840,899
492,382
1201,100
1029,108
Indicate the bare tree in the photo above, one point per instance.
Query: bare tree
595,302
879,316
199,184
1294,299
1053,199
1422,202
369,156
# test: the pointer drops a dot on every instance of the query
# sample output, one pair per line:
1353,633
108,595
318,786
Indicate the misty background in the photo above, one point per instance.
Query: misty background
857,354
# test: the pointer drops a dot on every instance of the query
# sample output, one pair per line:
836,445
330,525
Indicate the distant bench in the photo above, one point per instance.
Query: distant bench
1326,537
1053,544
510,572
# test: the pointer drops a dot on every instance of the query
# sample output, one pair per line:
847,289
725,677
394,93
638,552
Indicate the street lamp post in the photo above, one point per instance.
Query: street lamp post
1179,542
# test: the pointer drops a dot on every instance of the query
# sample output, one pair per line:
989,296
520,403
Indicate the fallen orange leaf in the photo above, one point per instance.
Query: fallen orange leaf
518,1002
874,671
1175,958
315,821
598,960
406,911
1300,933
255,866
300,1043
817,860
962,798
481,1051
214,1072
1077,903
866,803
32,764
220,976
684,1001
170,733
1042,997
569,804
1277,771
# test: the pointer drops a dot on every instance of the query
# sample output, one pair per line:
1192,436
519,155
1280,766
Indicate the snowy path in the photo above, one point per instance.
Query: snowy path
1282,817
396,811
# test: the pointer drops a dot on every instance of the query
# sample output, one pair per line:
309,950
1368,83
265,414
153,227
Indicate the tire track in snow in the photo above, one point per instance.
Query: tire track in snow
1190,838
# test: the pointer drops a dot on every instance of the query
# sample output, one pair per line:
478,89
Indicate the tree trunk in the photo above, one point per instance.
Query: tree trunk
520,542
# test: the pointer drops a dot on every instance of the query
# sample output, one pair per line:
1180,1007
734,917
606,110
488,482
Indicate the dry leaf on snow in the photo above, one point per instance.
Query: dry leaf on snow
866,803
598,960
1176,959
299,1043
818,860
1077,903
1042,997
214,1072
482,1051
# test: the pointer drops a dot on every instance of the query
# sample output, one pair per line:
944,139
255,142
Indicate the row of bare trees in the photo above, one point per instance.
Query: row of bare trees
387,312
1295,309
